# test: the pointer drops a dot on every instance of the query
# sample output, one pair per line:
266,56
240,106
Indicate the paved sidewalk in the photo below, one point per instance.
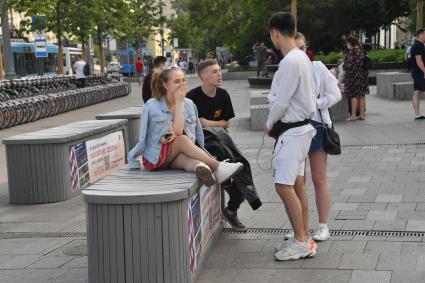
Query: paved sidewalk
377,184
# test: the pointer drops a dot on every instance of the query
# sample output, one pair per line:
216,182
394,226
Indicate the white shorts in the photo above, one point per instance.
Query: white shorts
289,157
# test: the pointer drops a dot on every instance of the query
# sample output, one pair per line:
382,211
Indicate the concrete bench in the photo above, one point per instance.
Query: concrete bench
258,97
385,81
402,91
150,226
259,114
55,164
132,114
339,111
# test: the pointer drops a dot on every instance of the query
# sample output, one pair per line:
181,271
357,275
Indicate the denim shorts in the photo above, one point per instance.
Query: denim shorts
317,141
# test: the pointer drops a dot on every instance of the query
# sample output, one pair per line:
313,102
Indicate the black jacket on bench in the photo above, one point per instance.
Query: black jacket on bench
219,144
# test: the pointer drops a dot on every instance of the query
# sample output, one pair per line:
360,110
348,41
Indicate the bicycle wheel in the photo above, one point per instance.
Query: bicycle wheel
19,117
37,111
27,108
1,117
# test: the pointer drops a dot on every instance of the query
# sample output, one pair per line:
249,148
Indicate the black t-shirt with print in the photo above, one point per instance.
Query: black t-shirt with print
212,108
418,48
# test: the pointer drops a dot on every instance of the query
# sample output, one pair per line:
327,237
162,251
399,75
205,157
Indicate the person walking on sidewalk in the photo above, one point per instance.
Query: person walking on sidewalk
418,69
169,129
328,95
139,70
79,71
288,122
215,111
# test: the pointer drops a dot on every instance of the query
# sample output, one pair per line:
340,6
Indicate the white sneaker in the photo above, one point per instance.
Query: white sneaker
289,237
203,172
321,234
293,250
132,163
227,170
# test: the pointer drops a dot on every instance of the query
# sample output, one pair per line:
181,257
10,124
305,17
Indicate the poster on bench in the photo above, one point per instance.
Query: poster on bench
204,221
94,159
105,154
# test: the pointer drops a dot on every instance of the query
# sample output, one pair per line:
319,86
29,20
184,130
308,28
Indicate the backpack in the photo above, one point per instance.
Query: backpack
86,70
367,63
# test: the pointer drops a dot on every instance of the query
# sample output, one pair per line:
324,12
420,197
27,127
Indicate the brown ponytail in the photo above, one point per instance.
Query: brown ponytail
158,80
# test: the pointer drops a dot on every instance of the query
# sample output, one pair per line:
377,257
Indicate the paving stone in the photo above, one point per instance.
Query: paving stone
372,206
323,260
34,276
358,225
352,214
292,275
409,206
383,248
364,179
240,246
367,276
73,275
251,260
362,198
411,215
413,248
382,215
391,159
407,276
396,262
388,198
51,262
420,264
254,275
358,261
390,225
415,225
354,191
19,261
340,247
344,206
81,261
420,206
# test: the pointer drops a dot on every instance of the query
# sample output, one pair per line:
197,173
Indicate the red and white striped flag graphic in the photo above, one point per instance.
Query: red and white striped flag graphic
75,184
192,251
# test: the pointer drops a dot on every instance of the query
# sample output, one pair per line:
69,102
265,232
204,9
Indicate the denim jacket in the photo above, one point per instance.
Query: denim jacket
155,122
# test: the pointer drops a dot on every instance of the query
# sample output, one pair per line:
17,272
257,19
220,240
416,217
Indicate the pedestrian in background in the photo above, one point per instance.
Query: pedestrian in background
139,70
158,65
79,71
260,51
418,69
355,83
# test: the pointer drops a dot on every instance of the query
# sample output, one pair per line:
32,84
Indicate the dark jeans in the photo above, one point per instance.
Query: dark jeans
261,68
81,82
235,197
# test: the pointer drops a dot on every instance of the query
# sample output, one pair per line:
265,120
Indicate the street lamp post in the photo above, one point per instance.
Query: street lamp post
9,69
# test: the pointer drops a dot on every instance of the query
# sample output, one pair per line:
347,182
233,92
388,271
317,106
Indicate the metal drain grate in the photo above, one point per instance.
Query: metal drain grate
382,144
13,235
275,231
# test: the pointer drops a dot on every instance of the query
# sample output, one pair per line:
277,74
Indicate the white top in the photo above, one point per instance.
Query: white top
295,92
182,65
328,89
79,69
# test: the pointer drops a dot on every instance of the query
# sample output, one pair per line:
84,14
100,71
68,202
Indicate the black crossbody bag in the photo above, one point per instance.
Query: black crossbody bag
331,141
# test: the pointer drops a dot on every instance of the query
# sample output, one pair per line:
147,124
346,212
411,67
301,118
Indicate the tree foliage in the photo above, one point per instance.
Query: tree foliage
240,23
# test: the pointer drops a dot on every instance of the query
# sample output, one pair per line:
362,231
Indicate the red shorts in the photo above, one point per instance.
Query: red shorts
163,156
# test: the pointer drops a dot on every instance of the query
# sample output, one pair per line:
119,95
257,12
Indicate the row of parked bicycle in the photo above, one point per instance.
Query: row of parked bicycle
28,87
31,108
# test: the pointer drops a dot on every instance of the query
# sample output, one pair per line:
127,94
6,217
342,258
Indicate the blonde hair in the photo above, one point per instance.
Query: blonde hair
301,36
158,80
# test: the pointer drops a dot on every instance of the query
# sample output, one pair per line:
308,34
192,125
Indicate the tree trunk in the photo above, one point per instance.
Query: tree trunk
101,51
294,11
1,64
420,14
59,38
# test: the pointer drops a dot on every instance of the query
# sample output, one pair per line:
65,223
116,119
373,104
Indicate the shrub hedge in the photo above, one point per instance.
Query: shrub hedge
377,56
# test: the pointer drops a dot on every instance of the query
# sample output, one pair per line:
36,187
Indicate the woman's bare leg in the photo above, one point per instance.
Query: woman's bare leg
354,103
318,165
182,145
184,162
362,106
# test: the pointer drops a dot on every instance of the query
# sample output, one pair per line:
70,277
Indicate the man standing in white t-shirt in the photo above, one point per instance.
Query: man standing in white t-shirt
79,71
291,110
